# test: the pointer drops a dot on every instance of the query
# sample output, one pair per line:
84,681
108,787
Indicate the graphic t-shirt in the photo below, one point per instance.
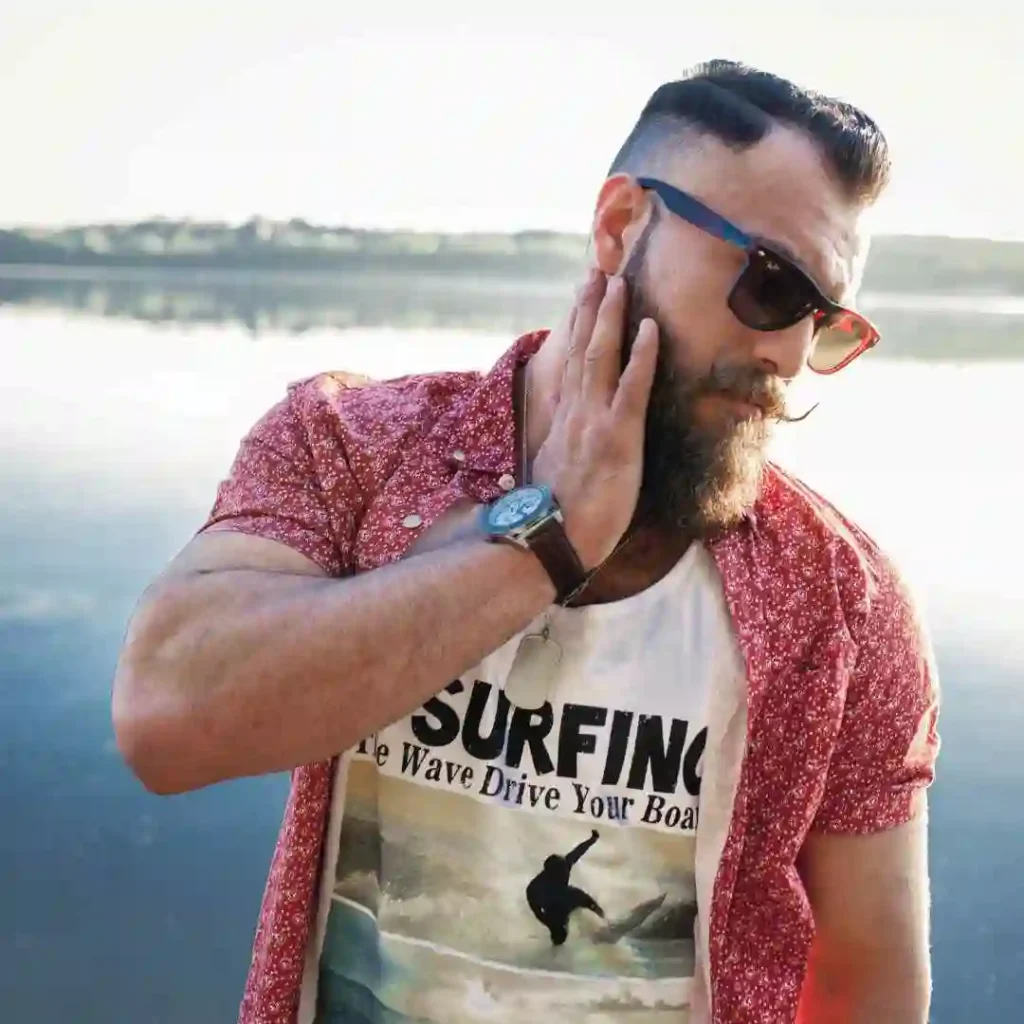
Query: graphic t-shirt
493,863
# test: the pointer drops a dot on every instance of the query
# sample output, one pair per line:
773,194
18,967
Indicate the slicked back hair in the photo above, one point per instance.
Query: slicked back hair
739,105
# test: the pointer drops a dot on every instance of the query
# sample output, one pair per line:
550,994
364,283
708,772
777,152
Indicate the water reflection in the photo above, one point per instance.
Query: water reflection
123,907
918,326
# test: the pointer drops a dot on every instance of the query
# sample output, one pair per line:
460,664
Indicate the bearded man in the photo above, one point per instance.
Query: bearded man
488,618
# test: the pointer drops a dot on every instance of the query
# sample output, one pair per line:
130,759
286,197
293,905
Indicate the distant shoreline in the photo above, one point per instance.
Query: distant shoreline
897,263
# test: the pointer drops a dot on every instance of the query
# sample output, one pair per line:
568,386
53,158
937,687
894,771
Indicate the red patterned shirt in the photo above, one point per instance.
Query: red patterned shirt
835,730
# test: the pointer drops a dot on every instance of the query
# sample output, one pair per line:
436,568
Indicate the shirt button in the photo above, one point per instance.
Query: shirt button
459,455
506,481
410,522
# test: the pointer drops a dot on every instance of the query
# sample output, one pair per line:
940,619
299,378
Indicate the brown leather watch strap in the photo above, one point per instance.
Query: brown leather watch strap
556,553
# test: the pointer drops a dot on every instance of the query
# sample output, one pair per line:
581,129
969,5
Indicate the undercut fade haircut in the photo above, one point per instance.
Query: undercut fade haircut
739,105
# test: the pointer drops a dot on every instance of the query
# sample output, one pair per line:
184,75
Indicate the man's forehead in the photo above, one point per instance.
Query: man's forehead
781,192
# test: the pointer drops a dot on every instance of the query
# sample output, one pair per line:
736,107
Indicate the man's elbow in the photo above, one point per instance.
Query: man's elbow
149,713
145,738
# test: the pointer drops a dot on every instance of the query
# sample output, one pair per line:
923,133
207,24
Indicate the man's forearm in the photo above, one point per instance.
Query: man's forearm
238,672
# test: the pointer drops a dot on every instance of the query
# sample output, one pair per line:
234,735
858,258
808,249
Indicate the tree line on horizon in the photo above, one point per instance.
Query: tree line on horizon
904,263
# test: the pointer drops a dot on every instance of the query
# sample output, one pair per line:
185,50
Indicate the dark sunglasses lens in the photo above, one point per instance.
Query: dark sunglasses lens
839,337
771,293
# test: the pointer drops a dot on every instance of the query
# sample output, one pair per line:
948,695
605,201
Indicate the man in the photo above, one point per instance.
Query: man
571,594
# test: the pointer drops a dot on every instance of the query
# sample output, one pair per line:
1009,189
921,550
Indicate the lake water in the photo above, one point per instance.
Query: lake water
119,907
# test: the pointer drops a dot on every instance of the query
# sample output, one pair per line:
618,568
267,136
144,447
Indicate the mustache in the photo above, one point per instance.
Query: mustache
748,384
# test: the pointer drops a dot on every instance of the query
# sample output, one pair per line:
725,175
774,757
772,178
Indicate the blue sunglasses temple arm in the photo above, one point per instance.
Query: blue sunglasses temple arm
697,214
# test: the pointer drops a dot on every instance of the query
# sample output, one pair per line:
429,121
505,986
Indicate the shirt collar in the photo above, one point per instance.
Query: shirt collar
480,432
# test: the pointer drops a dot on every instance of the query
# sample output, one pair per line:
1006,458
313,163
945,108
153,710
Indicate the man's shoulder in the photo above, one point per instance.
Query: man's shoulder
373,409
808,531
792,507
389,411
341,389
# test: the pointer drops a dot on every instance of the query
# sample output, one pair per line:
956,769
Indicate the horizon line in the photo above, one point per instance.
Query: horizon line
507,232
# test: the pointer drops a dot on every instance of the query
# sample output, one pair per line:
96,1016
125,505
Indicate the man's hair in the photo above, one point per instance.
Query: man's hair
739,105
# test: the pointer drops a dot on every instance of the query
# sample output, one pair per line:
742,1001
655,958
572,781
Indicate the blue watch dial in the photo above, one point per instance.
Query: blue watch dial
518,508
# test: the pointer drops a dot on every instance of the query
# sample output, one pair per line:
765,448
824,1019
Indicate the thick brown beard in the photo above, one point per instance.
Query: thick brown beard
695,481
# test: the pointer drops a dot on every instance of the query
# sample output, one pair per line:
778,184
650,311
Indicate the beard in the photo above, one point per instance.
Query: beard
697,479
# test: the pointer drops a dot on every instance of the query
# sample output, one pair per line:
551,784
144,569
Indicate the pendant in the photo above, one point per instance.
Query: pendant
533,670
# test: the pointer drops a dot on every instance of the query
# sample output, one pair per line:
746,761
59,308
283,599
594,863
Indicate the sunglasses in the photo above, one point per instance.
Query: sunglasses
772,292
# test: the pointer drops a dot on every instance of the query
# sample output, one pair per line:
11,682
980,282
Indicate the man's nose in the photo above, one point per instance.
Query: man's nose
784,353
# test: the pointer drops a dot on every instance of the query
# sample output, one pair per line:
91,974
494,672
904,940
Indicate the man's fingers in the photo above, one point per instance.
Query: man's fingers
602,363
630,402
583,327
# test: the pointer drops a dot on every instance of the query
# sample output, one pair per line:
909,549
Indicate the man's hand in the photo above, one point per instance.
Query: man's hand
592,457
869,894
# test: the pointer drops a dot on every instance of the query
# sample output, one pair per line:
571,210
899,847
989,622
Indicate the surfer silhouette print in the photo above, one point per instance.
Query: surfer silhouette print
553,900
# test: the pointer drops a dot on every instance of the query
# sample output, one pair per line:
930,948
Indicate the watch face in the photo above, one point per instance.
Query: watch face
517,508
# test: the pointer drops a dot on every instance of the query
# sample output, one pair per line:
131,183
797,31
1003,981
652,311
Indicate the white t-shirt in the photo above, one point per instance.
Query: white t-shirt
493,864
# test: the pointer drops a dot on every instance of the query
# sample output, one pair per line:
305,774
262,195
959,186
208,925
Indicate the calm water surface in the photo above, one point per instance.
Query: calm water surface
122,907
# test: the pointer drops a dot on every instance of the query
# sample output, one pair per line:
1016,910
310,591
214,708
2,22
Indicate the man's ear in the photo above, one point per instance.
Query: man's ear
620,214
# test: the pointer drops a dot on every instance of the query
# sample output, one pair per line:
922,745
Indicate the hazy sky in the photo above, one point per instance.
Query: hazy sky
219,110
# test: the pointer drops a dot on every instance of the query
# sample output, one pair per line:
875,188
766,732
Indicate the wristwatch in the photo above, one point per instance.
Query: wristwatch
529,518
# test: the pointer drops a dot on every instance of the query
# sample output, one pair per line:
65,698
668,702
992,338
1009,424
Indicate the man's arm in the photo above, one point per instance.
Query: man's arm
865,860
246,657
869,960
